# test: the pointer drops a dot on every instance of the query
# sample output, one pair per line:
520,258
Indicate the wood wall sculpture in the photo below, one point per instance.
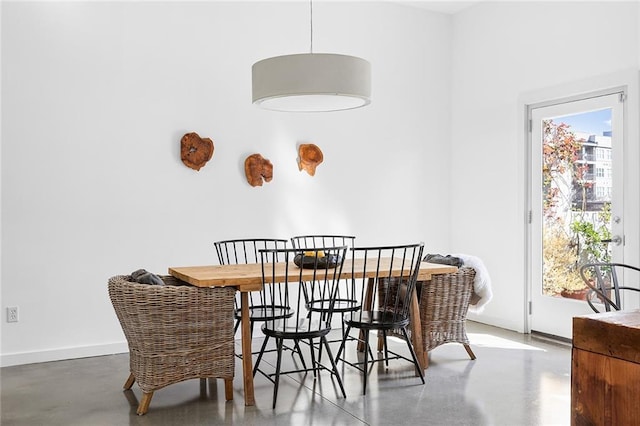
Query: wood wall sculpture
258,169
309,157
195,151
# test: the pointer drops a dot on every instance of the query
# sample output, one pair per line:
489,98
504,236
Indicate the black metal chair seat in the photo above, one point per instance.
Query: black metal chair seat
302,330
377,320
261,313
339,305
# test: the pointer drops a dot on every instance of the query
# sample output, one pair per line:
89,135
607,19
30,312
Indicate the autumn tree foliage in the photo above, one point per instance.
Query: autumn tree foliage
560,150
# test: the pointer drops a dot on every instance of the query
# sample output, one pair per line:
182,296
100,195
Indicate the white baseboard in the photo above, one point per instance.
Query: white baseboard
7,360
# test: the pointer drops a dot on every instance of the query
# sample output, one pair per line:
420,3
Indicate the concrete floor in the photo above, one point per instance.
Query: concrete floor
516,380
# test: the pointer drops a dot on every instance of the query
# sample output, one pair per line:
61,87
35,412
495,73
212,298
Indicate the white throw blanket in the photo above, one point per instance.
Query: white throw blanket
481,284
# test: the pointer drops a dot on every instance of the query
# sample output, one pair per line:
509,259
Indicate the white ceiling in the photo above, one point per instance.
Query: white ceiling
444,6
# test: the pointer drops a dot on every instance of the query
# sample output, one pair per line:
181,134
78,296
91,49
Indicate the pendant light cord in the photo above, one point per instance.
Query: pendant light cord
311,23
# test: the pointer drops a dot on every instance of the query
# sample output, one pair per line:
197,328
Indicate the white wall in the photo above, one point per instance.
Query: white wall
500,51
95,99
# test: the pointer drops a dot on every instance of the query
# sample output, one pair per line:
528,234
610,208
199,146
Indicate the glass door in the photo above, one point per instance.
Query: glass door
576,204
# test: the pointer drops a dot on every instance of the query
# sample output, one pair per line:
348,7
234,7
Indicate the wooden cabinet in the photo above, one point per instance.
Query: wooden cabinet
605,369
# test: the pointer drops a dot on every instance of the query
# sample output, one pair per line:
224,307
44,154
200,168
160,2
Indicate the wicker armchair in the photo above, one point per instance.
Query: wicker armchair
175,333
444,302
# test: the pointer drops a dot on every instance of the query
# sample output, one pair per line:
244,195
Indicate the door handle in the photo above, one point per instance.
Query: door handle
616,239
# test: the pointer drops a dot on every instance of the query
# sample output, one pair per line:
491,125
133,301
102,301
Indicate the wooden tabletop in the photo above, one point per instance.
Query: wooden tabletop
615,333
248,277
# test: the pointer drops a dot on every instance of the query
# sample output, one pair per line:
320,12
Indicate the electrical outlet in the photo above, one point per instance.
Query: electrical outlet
12,314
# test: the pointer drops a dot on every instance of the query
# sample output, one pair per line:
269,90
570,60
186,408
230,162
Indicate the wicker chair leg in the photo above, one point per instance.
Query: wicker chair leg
130,381
228,389
203,387
143,407
470,352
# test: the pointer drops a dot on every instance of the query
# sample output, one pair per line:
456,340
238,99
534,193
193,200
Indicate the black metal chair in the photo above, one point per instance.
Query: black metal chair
386,300
604,281
245,251
312,327
346,298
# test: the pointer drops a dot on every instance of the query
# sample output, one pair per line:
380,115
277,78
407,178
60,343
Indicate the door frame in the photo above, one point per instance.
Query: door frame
552,315
626,81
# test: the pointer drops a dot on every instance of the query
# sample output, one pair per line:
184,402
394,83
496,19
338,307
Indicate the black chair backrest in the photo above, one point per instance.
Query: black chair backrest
282,277
346,291
381,290
243,251
321,241
605,281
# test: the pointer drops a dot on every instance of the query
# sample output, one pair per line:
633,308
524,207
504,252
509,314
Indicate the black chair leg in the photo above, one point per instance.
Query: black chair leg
386,348
314,364
344,339
278,365
320,352
366,362
264,345
323,342
413,354
370,352
296,347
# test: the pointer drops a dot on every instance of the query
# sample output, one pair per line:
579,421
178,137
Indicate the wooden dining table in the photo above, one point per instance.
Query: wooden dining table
248,277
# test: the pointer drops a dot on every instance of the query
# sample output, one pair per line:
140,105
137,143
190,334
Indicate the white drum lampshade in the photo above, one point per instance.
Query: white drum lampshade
311,82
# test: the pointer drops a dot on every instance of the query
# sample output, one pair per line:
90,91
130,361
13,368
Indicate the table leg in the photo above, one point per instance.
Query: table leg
416,331
247,367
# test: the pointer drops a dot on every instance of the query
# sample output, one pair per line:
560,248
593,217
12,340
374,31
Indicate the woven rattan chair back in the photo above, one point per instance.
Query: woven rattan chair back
385,301
609,284
175,333
444,303
303,326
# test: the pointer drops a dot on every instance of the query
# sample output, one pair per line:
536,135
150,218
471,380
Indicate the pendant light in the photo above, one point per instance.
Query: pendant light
311,82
